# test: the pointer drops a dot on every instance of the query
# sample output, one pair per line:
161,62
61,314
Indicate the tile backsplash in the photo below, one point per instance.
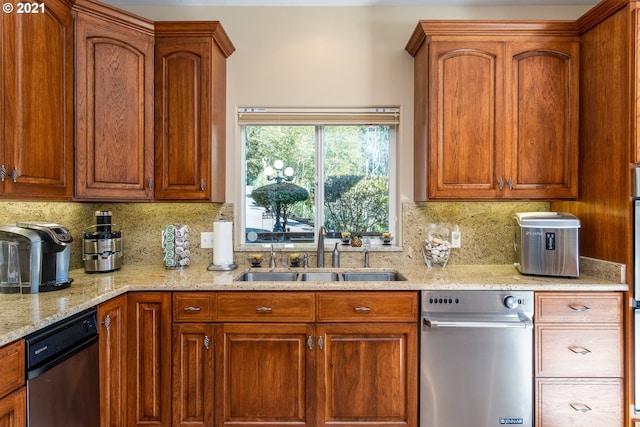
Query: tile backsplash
487,228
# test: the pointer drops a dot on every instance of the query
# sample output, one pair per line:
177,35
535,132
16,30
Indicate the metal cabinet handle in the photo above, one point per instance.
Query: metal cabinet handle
192,309
207,342
107,322
150,184
310,342
501,183
202,185
580,407
362,309
14,174
264,309
510,184
577,349
579,307
320,343
3,173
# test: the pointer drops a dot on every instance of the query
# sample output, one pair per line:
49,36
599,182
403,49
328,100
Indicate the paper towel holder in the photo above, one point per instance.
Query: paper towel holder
225,267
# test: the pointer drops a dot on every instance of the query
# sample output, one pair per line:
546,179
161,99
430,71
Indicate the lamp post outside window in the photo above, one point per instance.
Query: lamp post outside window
280,175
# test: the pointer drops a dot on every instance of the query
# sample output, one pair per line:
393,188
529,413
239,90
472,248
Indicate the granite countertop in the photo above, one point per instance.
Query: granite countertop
22,314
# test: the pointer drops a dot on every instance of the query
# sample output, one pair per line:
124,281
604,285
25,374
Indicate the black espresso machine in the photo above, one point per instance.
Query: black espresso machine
44,250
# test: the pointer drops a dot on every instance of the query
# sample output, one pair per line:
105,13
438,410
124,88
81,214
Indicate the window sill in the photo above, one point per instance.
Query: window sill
310,247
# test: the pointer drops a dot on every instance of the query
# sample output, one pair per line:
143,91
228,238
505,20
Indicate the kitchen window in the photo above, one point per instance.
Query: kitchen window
304,168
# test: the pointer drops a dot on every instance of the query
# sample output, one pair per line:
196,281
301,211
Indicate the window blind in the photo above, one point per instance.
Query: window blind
318,116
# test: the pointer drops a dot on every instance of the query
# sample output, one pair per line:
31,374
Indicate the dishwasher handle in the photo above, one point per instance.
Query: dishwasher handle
522,322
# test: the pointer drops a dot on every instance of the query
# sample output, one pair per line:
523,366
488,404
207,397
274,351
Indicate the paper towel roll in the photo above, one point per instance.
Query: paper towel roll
223,243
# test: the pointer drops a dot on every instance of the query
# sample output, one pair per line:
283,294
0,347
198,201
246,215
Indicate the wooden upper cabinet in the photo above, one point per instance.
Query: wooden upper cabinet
190,103
541,154
36,152
496,109
114,112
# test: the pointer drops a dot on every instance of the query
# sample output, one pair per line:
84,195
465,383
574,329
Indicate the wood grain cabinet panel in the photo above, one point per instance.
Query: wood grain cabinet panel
496,110
13,409
193,374
12,367
265,375
367,306
578,359
194,307
367,375
112,343
190,105
36,153
114,113
265,307
149,359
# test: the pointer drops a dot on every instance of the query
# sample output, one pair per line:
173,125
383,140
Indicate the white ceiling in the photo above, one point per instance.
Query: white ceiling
431,3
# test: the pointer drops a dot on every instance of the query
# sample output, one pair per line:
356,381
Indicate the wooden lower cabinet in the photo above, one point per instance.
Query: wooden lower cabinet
578,359
13,394
265,374
112,342
149,359
367,375
192,374
13,409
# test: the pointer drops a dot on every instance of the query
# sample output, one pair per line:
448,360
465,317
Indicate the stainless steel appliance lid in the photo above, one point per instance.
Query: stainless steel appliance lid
547,220
58,233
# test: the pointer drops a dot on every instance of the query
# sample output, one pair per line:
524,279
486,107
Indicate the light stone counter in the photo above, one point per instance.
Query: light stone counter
23,314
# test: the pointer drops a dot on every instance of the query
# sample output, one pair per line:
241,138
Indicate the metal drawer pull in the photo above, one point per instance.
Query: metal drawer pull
310,342
362,309
320,342
192,309
580,308
580,407
207,342
577,349
264,309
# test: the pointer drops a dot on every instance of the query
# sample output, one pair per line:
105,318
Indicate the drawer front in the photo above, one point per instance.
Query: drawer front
580,351
600,307
265,307
384,306
587,403
194,306
12,369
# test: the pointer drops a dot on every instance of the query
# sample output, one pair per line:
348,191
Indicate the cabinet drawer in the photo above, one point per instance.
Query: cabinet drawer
12,369
578,351
194,306
266,307
385,306
585,403
579,307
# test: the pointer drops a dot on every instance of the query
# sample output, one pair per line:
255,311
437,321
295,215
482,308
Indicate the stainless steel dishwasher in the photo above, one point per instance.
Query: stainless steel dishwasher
62,374
476,359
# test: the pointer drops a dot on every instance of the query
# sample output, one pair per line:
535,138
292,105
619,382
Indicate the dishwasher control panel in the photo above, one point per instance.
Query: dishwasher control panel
494,302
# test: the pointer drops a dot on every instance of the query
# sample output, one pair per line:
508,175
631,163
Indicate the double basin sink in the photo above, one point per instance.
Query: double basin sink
320,276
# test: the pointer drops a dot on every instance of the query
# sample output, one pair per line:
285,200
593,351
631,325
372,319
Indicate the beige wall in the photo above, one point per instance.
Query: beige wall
329,57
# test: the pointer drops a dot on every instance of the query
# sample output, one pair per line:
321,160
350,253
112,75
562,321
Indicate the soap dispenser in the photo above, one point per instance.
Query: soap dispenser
335,261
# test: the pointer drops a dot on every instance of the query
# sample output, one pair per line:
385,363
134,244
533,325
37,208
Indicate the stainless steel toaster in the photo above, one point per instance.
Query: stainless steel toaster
546,244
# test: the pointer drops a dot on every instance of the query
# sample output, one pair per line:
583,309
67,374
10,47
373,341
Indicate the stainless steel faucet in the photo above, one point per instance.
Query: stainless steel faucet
320,251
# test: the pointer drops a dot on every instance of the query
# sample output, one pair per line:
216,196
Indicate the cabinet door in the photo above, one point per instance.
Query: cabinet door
192,374
13,409
541,159
265,375
114,113
149,359
38,102
113,361
183,118
465,136
368,375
